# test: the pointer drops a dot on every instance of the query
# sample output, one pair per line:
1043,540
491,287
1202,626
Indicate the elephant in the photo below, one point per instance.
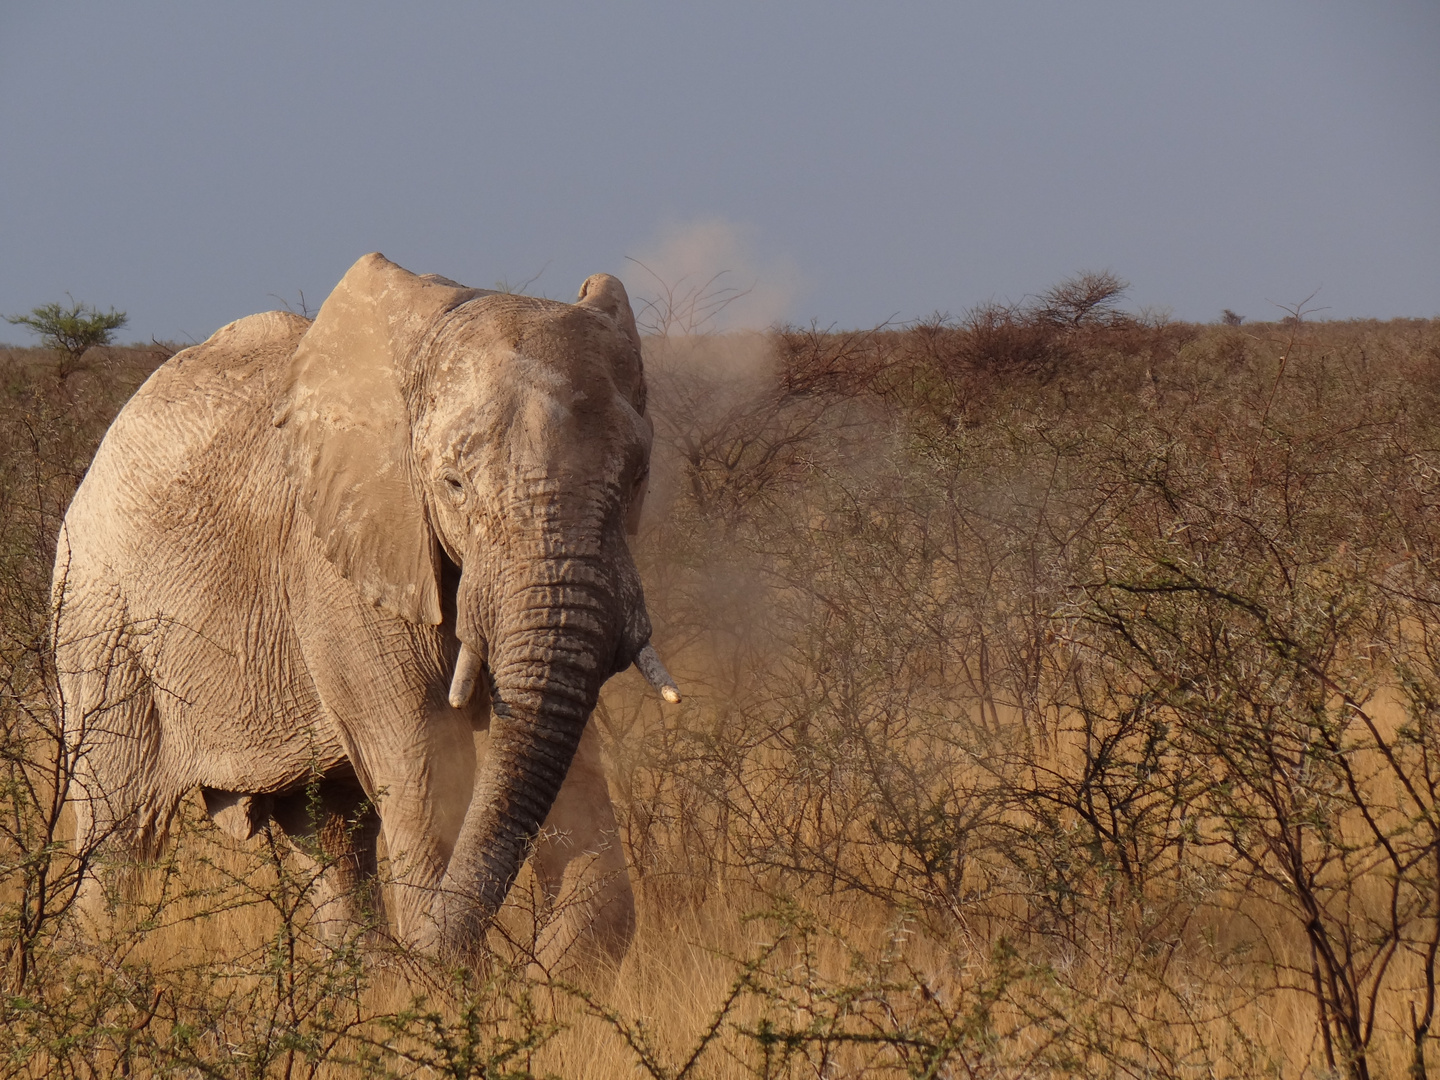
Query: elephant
373,569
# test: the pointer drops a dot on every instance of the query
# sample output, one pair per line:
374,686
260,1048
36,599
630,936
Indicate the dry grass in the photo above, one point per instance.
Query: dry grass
1062,699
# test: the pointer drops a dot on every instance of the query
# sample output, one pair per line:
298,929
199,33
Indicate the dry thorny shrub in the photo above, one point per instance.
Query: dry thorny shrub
1062,700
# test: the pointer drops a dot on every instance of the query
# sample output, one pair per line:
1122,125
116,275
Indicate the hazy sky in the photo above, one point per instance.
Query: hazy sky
854,162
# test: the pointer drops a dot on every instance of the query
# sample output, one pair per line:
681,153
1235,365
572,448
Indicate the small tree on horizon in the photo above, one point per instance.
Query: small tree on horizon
1088,298
71,330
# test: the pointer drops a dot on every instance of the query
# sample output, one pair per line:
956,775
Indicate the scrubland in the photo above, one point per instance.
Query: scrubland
1061,700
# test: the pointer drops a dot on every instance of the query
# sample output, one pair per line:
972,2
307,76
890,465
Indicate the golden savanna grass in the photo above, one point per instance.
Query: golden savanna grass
1061,699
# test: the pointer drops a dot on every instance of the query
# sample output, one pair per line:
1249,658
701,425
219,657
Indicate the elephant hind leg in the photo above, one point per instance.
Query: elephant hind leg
334,829
122,805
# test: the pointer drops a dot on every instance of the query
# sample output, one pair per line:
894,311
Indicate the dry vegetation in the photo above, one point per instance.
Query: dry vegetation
1062,699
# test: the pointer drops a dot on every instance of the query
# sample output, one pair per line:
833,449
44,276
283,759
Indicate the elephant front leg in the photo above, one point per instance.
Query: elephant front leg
413,755
421,790
580,867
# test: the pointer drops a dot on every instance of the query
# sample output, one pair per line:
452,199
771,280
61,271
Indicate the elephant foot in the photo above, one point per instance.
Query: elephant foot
463,923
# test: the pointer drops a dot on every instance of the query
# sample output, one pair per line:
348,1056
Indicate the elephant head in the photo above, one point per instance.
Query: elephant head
508,433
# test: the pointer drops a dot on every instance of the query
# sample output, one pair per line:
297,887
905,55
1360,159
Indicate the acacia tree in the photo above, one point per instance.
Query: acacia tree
1088,298
71,331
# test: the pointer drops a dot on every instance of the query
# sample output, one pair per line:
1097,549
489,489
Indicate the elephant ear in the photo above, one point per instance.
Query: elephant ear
343,413
605,294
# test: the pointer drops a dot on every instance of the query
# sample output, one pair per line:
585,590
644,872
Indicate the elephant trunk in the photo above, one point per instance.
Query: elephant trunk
556,643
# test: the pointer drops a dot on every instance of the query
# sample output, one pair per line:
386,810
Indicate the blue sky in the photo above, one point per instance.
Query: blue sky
191,162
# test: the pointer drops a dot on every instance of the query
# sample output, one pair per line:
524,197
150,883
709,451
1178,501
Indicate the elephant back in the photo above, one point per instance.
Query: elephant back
175,417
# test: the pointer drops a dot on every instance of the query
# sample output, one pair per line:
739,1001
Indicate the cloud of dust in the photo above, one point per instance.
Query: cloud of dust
707,276
705,301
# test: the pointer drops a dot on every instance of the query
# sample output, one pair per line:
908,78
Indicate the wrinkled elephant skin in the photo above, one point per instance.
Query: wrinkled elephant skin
389,549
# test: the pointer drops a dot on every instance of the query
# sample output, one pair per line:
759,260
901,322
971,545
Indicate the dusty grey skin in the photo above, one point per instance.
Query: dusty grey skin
352,547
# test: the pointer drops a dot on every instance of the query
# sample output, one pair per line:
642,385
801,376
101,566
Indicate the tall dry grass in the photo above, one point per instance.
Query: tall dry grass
1061,700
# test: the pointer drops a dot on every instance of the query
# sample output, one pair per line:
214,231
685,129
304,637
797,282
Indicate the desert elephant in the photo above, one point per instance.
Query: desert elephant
340,550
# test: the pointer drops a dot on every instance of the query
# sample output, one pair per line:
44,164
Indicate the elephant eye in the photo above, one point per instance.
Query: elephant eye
453,487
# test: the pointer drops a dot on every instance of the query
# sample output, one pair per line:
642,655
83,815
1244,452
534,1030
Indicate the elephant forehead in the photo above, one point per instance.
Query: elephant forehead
574,342
522,377
541,420
516,397
527,399
539,433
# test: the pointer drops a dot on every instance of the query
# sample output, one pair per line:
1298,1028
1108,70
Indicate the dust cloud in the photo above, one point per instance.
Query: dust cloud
708,276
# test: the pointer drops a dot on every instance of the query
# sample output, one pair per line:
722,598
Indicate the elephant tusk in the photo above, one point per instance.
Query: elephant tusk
467,670
655,673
